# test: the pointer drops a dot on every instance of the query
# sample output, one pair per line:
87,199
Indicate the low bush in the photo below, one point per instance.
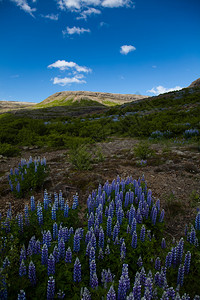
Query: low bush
9,150
143,150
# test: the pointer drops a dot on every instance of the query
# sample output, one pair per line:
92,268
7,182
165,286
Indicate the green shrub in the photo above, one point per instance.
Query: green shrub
9,150
143,150
80,157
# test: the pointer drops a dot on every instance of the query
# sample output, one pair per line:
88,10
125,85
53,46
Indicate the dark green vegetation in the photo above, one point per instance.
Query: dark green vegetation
171,114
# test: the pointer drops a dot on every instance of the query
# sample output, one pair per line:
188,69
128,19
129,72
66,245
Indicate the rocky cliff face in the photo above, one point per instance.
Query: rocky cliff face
94,96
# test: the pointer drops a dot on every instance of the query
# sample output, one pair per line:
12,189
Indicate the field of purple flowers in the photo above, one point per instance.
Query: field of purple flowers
117,252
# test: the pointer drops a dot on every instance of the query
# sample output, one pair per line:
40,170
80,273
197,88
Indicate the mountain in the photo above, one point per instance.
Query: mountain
195,84
107,99
6,106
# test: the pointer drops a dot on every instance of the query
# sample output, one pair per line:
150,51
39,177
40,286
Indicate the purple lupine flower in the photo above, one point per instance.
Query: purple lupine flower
91,254
111,295
93,241
55,231
75,201
180,276
61,248
171,293
109,226
77,242
109,276
38,247
86,294
187,262
68,256
21,295
149,286
179,250
142,276
142,233
53,212
137,290
123,250
20,222
56,254
101,238
77,270
168,260
120,215
39,214
32,203
128,230
122,289
192,237
157,263
107,250
133,225
44,256
154,215
100,256
26,213
18,187
51,265
90,220
140,262
174,261
115,232
92,270
134,240
126,276
22,254
197,221
94,283
48,238
66,210
32,273
50,288
61,294
22,269
163,243
162,214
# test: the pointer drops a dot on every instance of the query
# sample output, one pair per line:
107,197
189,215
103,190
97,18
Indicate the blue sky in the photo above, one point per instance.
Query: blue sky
118,46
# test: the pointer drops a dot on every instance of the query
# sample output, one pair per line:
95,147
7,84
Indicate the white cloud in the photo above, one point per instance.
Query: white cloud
65,65
24,6
74,30
115,3
126,49
51,17
161,90
69,4
72,68
77,5
88,12
68,80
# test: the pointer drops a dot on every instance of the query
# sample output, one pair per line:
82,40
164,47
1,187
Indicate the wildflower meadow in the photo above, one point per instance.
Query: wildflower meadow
116,250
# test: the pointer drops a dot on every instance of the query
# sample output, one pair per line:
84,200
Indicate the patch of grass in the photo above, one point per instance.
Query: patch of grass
173,205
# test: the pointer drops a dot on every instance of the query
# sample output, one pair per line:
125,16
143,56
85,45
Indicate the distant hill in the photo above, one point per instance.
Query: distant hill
6,106
70,98
195,84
